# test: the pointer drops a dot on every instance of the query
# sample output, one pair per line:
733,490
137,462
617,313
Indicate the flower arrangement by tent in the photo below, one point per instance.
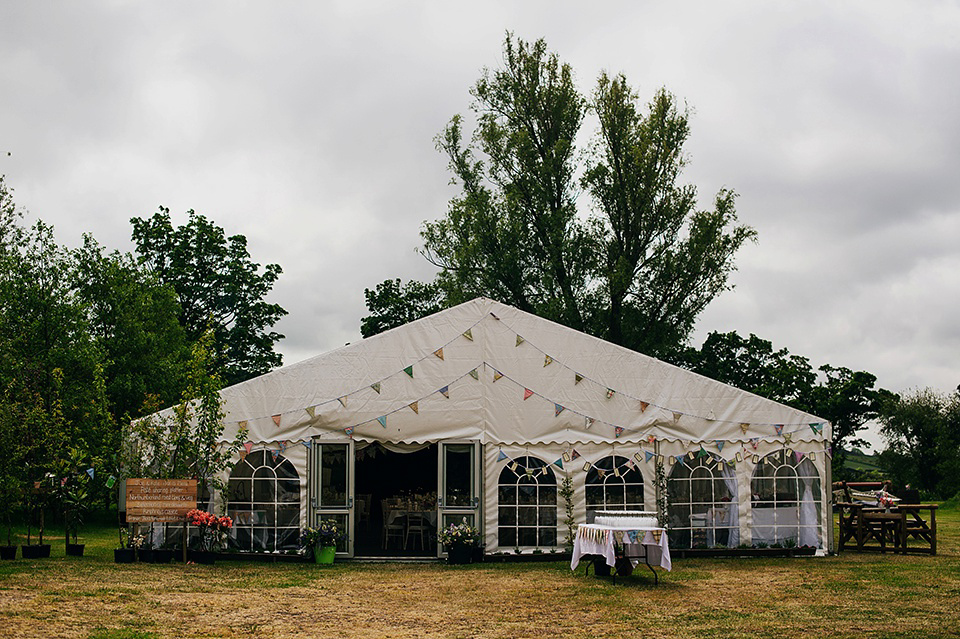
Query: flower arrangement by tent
213,529
461,535
327,533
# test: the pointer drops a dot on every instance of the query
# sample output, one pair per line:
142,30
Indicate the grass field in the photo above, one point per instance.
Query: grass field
851,595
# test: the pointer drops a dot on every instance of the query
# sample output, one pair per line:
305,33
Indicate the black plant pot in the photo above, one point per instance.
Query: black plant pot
124,555
75,550
145,555
8,552
162,555
35,551
201,556
459,554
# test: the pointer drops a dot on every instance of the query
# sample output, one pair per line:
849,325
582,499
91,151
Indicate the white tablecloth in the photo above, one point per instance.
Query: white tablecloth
638,543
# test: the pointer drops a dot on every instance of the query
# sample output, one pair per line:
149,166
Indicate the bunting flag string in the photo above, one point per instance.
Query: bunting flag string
816,428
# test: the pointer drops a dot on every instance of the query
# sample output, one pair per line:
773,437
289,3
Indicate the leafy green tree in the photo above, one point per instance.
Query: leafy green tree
394,304
922,429
135,322
752,365
640,270
218,287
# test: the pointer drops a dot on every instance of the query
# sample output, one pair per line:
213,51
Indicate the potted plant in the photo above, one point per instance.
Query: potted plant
212,531
74,506
322,540
37,506
125,554
460,541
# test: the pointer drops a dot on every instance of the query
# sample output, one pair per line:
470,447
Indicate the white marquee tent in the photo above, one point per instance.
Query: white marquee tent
494,407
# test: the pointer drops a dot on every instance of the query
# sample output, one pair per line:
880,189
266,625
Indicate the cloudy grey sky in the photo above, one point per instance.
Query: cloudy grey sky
308,127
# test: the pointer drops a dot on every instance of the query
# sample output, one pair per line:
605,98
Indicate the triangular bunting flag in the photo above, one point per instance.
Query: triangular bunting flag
817,428
601,472
720,444
439,353
307,443
703,453
798,455
527,394
619,431
343,401
501,456
590,421
376,387
558,463
497,375
651,439
643,406
474,374
445,391
557,409
468,334
408,370
677,416
415,407
788,437
754,441
90,472
648,455
283,445
547,360
574,454
577,378
276,420
610,393
383,420
519,340
242,425
312,411
743,427
63,481
275,453
349,430
248,446
779,428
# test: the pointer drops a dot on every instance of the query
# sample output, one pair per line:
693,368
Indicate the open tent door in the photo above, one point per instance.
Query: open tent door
459,481
331,487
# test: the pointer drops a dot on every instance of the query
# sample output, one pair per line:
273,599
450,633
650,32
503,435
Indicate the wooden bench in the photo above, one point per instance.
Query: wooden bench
869,528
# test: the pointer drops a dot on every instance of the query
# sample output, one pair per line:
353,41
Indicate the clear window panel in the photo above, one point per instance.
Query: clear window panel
527,515
548,494
548,517
548,537
527,536
507,495
333,475
458,470
264,490
527,494
507,537
507,516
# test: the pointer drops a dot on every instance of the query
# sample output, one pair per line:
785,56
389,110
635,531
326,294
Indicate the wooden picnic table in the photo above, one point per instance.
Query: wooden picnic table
862,525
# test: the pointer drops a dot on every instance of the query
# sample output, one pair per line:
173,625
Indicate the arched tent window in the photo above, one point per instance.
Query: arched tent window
613,483
264,502
786,500
527,500
702,503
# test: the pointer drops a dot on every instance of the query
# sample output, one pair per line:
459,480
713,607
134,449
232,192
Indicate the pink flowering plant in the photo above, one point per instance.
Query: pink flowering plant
459,535
213,529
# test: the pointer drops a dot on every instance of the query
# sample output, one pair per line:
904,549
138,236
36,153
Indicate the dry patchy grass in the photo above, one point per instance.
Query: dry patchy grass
847,596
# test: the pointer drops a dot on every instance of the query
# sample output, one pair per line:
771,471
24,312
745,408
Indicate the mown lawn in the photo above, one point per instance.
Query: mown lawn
851,595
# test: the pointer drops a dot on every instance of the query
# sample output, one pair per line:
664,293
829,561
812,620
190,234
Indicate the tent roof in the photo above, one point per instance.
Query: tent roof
490,371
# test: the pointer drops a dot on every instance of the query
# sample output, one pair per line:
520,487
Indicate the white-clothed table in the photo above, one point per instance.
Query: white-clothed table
648,544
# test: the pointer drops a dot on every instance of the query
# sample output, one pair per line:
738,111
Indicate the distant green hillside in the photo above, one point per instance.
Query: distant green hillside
860,462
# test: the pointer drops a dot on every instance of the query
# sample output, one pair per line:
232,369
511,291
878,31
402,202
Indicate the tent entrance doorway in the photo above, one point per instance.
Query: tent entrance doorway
396,500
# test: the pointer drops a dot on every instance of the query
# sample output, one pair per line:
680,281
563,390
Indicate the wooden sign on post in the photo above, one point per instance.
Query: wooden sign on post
160,500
